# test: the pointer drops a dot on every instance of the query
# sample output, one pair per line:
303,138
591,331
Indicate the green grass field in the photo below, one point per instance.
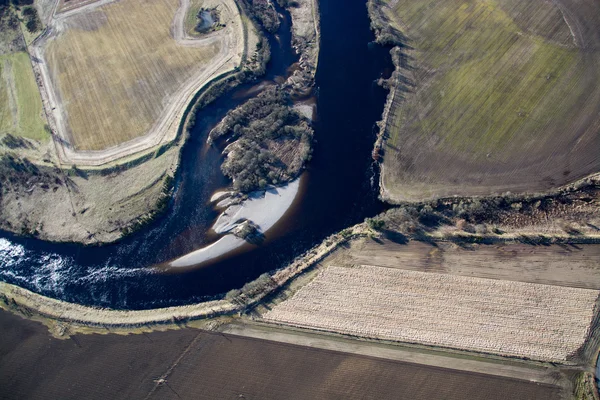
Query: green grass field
21,111
492,84
496,87
191,17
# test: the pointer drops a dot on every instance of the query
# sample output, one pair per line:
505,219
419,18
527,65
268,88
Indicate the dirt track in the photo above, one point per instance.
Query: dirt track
392,352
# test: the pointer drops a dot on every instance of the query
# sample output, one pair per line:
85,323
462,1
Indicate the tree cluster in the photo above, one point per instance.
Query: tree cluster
8,19
251,289
32,19
260,128
264,12
385,32
9,23
13,142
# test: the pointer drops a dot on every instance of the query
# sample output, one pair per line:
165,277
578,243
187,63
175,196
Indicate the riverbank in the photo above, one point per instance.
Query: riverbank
31,304
52,311
306,37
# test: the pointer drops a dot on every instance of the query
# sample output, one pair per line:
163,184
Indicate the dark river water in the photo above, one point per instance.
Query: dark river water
338,189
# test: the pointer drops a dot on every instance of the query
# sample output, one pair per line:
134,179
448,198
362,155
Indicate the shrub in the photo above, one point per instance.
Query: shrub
263,128
375,223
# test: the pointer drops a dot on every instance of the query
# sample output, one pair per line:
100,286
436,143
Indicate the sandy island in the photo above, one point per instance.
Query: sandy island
263,208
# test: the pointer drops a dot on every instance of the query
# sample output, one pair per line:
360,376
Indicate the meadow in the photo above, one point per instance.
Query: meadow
21,112
491,96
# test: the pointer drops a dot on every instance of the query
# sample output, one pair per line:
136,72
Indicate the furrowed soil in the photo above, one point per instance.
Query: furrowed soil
190,363
491,96
562,265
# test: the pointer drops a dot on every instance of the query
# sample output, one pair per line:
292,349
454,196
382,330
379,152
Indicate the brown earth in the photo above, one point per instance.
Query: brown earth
561,265
190,363
422,161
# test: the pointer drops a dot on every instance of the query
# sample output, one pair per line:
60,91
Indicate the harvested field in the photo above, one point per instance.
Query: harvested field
503,317
21,112
120,70
202,365
492,96
561,265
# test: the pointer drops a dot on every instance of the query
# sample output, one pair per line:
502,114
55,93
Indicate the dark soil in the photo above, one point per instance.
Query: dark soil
201,365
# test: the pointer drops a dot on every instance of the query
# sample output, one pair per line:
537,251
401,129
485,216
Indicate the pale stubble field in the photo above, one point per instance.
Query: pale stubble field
509,318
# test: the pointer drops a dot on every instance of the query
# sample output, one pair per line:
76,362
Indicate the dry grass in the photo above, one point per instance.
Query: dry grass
500,98
88,209
68,5
191,17
117,67
509,318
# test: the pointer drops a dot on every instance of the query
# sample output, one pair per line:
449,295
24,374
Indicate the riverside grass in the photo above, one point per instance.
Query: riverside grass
115,68
497,97
21,112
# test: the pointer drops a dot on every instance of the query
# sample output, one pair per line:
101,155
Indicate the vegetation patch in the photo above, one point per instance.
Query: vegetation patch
269,141
32,19
264,12
202,18
585,387
21,113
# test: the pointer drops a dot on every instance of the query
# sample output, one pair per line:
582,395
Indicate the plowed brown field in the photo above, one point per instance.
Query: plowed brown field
200,365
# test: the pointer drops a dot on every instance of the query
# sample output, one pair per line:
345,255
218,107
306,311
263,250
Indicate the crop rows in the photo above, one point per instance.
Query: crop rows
118,68
494,316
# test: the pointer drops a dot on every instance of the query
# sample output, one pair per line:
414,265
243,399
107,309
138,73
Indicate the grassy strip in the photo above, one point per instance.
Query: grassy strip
585,388
28,121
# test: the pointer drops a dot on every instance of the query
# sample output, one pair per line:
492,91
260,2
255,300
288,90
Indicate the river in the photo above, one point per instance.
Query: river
338,189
